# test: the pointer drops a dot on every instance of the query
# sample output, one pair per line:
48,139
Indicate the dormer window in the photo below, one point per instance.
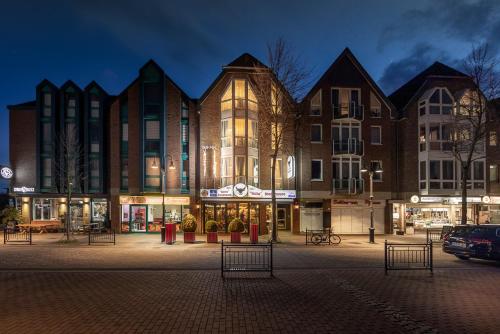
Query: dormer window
436,102
375,106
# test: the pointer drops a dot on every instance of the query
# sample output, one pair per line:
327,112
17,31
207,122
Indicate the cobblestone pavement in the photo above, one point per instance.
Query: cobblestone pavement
140,286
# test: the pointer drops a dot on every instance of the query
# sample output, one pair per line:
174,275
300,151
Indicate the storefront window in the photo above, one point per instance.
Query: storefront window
45,209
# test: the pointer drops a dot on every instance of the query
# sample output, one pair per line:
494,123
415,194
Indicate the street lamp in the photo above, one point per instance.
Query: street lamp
171,166
371,170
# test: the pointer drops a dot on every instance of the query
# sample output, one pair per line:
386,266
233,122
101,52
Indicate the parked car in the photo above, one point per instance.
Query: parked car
473,241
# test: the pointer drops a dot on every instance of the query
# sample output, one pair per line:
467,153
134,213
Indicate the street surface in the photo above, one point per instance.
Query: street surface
142,286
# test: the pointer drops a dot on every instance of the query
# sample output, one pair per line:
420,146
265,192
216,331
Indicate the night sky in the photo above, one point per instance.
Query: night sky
191,40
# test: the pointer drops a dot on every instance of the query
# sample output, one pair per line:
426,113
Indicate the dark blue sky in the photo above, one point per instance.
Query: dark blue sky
84,40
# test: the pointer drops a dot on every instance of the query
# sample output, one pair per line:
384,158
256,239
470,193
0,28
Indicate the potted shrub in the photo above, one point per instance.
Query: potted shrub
189,228
211,229
236,227
10,217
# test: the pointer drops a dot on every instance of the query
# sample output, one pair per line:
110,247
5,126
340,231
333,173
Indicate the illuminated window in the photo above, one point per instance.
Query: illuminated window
276,134
493,138
375,106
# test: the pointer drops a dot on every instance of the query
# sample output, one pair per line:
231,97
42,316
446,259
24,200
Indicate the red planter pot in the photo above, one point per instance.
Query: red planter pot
254,233
212,237
170,234
189,237
235,237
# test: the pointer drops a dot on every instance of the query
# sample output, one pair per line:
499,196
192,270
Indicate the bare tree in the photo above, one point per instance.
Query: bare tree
69,168
279,87
473,116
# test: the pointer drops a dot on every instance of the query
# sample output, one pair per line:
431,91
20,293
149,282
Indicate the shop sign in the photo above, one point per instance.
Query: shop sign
457,200
414,199
240,190
169,200
494,200
430,199
6,173
290,167
23,189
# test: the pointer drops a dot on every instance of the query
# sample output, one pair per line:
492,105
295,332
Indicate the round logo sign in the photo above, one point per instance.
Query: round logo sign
414,199
240,190
486,199
6,172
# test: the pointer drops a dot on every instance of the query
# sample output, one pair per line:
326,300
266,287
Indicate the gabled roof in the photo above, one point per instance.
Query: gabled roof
93,83
404,94
70,83
245,61
347,53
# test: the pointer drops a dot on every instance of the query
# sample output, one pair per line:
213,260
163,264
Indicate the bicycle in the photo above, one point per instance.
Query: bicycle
325,236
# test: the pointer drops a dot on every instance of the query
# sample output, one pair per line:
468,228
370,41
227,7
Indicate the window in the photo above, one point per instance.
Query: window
152,130
124,131
346,103
375,135
71,108
253,171
435,169
279,173
94,108
316,170
493,173
94,147
422,138
447,170
239,132
226,171
493,138
375,106
252,134
44,209
316,133
440,102
47,105
376,165
226,132
124,173
423,172
478,170
94,168
275,133
152,174
316,104
239,171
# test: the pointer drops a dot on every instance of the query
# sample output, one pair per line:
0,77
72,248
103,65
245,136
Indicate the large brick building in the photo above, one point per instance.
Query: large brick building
125,156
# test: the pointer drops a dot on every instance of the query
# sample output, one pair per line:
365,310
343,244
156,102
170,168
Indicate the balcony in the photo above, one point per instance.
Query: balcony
348,186
350,110
348,146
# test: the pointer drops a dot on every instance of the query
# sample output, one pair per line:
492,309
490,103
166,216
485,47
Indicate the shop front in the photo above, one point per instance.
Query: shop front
84,211
352,216
144,213
250,204
423,212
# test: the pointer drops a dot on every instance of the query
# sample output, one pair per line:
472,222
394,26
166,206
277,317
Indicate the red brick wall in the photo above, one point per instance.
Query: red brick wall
22,146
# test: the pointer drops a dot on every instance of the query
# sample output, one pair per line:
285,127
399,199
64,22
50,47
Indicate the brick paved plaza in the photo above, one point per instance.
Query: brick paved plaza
142,286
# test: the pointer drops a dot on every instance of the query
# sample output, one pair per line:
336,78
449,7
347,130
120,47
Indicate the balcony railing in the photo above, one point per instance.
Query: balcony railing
348,186
348,146
348,110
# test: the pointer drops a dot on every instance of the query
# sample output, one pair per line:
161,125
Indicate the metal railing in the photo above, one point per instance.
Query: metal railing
434,235
11,235
97,236
350,186
324,233
246,257
348,146
348,110
408,256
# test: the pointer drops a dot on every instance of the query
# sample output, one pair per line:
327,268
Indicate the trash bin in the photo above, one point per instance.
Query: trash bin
254,233
162,233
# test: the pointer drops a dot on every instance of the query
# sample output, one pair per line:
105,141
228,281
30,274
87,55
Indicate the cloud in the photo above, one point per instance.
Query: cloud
463,20
420,57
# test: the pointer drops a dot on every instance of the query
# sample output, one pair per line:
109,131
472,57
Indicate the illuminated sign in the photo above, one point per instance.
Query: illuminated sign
23,189
414,199
241,190
169,200
6,173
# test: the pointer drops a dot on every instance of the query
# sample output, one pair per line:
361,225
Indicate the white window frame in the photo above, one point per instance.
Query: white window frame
379,105
321,169
380,132
320,133
320,92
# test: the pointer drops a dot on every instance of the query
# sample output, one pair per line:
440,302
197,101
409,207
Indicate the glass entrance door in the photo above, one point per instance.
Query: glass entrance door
138,218
281,219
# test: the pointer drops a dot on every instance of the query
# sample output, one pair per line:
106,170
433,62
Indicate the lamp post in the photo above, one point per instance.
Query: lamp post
371,170
162,171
